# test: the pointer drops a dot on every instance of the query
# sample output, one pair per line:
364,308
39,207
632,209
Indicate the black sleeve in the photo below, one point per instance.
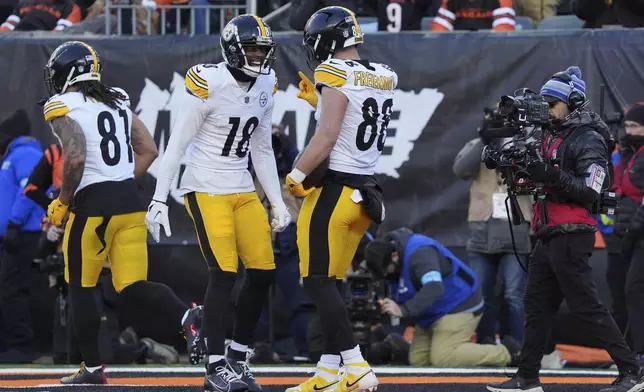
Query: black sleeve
636,173
589,150
588,10
425,265
39,181
636,227
301,11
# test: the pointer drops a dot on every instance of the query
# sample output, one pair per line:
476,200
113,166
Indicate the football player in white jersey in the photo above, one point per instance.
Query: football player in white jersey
226,114
105,147
353,100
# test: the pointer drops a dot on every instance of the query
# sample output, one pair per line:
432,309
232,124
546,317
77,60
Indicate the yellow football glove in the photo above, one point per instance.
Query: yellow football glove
297,190
307,90
56,212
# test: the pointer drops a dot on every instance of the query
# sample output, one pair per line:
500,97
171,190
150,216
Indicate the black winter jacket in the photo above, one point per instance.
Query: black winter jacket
588,146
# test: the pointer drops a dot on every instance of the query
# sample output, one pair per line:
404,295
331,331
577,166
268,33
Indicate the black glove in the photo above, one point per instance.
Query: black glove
10,240
543,172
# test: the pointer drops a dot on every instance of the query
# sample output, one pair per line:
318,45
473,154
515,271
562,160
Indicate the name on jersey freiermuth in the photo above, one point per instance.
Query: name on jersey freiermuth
370,79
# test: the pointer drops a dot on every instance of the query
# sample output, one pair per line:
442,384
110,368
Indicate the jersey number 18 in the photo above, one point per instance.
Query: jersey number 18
370,114
247,132
107,129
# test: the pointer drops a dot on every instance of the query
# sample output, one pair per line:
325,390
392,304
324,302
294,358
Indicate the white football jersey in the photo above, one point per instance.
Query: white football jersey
234,116
109,154
370,90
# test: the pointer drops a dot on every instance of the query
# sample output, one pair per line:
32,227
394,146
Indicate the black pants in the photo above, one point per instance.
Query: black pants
635,299
559,269
16,277
616,272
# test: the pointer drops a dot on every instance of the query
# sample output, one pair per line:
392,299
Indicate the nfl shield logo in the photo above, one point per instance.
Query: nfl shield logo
246,99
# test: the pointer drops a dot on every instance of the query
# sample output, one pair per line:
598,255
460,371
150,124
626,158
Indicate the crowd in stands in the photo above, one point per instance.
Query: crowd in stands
207,17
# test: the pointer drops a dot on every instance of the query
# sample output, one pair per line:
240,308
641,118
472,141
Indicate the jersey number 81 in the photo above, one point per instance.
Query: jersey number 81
107,129
370,114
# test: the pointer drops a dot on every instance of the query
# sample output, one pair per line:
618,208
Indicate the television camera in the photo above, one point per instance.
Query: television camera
521,118
362,304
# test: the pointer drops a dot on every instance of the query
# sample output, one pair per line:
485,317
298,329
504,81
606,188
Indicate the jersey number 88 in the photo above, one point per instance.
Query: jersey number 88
370,114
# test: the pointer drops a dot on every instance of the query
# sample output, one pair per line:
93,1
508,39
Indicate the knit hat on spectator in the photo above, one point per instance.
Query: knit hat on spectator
556,89
635,114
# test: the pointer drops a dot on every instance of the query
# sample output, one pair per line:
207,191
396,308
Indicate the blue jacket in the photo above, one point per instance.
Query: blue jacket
21,157
458,286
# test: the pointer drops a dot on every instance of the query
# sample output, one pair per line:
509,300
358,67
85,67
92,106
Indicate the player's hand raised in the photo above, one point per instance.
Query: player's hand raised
307,90
281,218
156,217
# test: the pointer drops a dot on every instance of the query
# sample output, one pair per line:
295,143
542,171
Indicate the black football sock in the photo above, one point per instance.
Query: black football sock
250,303
215,307
87,321
336,328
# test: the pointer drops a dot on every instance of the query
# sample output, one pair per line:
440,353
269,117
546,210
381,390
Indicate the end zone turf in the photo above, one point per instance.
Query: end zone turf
278,378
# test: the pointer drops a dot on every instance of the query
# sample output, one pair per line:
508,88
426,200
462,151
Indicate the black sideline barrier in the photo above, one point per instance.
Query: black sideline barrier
444,82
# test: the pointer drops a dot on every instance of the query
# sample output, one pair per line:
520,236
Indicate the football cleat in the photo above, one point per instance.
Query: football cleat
192,334
357,377
242,370
221,378
83,376
318,383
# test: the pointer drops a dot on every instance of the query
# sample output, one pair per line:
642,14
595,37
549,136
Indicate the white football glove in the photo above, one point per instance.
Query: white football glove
156,217
54,233
281,218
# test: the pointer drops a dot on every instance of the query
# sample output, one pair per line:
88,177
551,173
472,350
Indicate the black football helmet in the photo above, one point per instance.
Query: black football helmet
329,29
247,44
70,63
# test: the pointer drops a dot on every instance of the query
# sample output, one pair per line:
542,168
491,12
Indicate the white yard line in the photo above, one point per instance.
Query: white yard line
271,370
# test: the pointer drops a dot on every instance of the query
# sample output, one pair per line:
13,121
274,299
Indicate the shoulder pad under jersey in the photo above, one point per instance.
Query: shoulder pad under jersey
200,79
55,107
332,73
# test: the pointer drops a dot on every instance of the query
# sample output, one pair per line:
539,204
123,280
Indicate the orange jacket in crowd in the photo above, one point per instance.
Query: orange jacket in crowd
42,15
498,15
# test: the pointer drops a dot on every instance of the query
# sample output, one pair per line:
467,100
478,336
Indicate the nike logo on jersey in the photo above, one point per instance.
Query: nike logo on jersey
352,384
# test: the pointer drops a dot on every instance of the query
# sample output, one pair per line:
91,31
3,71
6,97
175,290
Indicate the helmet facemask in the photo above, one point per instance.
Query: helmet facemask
258,57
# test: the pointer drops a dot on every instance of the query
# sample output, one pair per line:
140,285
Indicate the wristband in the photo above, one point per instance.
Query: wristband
297,176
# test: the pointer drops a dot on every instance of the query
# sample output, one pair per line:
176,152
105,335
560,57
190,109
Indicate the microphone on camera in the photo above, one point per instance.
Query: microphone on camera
498,133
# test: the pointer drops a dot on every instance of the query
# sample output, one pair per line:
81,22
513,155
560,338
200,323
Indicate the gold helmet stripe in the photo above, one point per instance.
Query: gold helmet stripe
262,29
93,53
353,17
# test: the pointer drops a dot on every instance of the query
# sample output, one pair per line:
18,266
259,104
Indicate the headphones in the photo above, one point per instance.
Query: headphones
575,99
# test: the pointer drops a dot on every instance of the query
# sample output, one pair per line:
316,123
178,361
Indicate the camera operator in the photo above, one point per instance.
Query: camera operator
573,172
629,225
435,290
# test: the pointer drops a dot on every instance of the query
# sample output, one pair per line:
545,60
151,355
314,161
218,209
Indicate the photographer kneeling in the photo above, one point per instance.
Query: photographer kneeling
438,292
573,172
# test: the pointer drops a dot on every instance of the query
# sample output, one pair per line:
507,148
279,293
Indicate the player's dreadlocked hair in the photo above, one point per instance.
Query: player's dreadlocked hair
101,93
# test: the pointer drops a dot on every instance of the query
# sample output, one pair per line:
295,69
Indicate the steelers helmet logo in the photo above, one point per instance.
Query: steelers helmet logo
228,32
263,99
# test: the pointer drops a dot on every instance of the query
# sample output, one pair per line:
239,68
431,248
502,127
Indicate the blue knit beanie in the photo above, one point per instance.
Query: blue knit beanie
557,89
